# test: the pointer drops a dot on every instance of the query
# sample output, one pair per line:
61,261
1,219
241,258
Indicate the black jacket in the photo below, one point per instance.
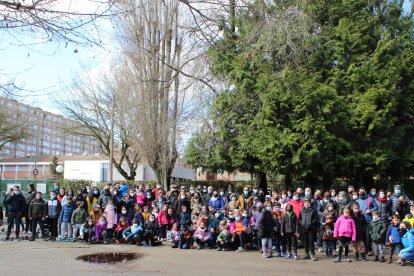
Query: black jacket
265,225
360,226
15,203
37,208
290,224
308,218
151,227
29,197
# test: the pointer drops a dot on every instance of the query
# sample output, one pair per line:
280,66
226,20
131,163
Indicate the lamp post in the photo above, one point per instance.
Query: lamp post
59,169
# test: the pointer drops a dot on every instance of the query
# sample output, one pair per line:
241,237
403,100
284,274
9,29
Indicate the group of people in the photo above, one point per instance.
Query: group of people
202,217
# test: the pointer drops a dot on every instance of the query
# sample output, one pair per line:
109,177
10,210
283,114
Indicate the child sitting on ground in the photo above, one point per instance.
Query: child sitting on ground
87,231
122,225
133,233
186,239
201,236
150,231
101,233
223,239
175,236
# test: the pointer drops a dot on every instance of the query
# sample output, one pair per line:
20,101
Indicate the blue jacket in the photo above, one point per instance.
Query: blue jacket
367,203
53,208
394,232
66,214
408,242
185,219
15,203
218,203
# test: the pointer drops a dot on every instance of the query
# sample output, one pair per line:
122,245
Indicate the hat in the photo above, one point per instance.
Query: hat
397,187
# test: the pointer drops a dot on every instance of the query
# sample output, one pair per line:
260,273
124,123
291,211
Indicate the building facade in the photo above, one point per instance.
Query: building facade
47,133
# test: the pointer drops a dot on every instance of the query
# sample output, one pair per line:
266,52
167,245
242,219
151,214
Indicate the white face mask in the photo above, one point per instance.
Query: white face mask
151,219
124,212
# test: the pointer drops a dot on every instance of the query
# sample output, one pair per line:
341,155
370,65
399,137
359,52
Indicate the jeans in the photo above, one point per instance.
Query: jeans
378,248
395,247
65,226
328,245
76,229
267,245
14,218
34,225
280,243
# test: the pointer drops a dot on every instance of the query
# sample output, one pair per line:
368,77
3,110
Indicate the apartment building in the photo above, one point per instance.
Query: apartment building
47,133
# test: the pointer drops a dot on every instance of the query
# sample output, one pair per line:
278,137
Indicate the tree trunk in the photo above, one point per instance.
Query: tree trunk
260,181
288,182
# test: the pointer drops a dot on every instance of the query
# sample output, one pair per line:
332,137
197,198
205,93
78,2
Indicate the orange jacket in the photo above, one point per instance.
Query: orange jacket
240,227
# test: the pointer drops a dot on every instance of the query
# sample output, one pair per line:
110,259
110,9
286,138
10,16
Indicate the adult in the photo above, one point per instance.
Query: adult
308,219
37,214
299,192
245,200
383,205
92,198
56,187
16,205
208,195
217,201
31,193
407,254
157,190
394,199
106,197
297,203
344,201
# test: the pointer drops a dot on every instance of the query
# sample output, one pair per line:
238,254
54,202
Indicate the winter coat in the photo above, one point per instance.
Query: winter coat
53,208
245,203
345,202
239,227
394,232
265,229
383,208
402,209
290,223
377,230
297,206
99,229
151,227
66,214
111,218
29,197
345,227
121,227
393,203
203,235
15,203
217,203
328,231
91,200
87,229
361,226
277,223
183,202
162,218
232,205
224,236
408,243
95,216
308,218
141,199
104,199
184,219
367,203
37,208
78,216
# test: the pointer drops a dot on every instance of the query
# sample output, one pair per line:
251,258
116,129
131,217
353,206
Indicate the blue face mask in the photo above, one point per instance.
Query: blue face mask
95,192
382,195
289,195
237,218
52,197
307,193
295,198
397,192
56,189
268,208
373,193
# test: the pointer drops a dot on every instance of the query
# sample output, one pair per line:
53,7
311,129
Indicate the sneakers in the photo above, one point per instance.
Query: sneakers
31,239
288,256
347,259
6,239
295,257
241,249
312,256
265,255
278,254
218,248
337,260
376,258
320,250
117,242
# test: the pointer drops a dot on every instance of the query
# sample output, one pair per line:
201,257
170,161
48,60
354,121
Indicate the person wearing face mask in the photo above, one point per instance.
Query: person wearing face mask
214,227
265,230
344,201
208,195
201,236
120,228
245,200
163,222
383,205
125,215
296,203
308,219
151,229
53,209
92,199
133,233
87,232
111,219
158,188
196,202
216,201
240,231
182,201
106,197
284,200
407,254
78,219
345,232
233,203
101,233
377,229
223,239
65,218
290,230
37,214
278,240
361,232
79,198
31,193
403,207
394,198
16,203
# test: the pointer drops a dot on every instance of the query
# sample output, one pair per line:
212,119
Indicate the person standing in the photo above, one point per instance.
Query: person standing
16,205
37,214
31,193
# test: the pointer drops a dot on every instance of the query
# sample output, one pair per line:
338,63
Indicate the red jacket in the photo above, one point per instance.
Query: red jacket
162,218
121,227
297,206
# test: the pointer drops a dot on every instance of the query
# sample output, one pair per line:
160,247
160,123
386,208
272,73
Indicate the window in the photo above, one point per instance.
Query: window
9,168
104,172
46,144
46,151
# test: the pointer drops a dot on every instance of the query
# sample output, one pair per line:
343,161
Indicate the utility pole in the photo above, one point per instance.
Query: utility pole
111,142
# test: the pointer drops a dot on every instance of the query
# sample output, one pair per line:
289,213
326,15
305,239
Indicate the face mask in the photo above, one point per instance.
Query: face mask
152,206
340,198
69,203
217,215
403,231
246,193
307,205
17,193
124,212
224,231
307,193
52,197
330,209
158,186
373,193
355,197
192,191
102,222
332,194
268,208
149,196
205,191
362,194
106,191
233,199
355,210
397,192
375,218
277,209
132,195
295,198
202,228
151,219
325,200
231,216
255,191
95,192
183,196
237,218
289,195
111,207
382,195
221,193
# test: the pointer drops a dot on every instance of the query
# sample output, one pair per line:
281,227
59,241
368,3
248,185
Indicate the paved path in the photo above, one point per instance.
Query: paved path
58,258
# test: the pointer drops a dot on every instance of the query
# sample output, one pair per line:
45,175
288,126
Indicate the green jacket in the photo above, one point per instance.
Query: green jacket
377,231
224,237
79,216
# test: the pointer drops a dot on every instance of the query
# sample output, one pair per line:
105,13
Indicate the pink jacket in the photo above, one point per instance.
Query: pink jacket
345,227
232,228
141,199
162,218
111,217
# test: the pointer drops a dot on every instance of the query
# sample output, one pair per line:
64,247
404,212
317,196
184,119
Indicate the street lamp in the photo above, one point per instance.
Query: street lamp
59,169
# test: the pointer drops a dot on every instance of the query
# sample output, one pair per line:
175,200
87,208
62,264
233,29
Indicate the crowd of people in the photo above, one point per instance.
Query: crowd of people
202,217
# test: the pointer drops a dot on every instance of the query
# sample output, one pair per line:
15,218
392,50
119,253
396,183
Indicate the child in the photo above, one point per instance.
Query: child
134,232
145,214
327,235
394,236
163,222
101,233
119,230
186,239
175,236
151,231
53,209
377,230
111,219
155,212
265,230
279,240
138,214
184,217
309,220
290,231
65,218
201,236
361,232
223,239
96,213
87,231
345,232
78,219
